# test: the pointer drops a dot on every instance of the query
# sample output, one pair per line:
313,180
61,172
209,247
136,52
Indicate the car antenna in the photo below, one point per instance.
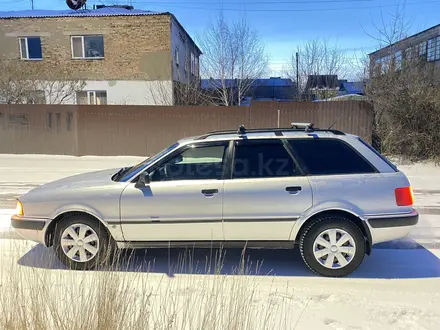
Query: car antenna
331,126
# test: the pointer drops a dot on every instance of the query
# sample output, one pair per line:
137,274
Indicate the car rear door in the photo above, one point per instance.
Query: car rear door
265,193
184,200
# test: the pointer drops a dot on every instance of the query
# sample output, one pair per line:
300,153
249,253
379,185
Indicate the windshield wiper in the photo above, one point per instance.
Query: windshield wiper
120,173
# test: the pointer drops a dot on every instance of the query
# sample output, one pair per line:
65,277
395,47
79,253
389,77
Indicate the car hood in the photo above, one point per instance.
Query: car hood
80,181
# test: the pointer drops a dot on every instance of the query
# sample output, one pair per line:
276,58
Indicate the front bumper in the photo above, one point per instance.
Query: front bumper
385,228
32,229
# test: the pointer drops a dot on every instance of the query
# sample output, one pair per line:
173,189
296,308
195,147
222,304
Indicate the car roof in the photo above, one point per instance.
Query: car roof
276,134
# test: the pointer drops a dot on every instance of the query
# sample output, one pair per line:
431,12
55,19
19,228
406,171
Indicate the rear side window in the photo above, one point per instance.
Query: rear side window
386,160
262,159
330,157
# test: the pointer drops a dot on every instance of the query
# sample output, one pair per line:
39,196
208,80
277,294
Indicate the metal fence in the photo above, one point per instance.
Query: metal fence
145,130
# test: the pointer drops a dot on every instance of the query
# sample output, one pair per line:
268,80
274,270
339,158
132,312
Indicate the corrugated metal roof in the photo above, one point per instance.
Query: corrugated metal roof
76,13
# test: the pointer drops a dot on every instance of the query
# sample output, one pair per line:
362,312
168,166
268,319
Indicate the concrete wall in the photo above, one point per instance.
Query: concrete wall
145,130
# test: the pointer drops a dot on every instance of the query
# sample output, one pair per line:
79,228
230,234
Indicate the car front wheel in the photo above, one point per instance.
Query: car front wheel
82,242
332,246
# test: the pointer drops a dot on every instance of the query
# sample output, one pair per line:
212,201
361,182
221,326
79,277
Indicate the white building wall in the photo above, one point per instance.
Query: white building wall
129,92
185,46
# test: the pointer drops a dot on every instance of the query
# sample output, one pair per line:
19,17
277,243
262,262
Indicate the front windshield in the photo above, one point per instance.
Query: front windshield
139,167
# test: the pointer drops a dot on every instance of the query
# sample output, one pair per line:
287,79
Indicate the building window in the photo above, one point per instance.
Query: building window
421,47
30,48
197,67
398,60
186,63
384,63
431,49
87,47
193,62
437,48
434,49
406,56
91,97
176,55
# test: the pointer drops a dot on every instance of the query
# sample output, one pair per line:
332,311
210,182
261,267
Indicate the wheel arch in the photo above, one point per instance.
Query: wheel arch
356,219
48,236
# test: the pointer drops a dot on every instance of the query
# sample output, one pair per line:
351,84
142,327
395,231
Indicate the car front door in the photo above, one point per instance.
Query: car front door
265,193
183,201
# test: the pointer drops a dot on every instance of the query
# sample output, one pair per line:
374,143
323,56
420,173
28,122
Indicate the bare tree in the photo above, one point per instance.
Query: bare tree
389,32
179,93
36,85
404,90
317,57
234,57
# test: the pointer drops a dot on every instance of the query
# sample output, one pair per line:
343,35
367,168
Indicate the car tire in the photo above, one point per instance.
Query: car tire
82,243
332,246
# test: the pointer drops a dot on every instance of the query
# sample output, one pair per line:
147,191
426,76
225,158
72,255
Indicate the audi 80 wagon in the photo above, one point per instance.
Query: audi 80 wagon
327,192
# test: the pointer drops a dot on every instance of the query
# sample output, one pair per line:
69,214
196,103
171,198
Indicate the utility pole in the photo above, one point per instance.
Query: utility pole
32,4
297,75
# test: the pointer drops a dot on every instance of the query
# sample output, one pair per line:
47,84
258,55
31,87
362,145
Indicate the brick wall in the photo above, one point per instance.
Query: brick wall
136,47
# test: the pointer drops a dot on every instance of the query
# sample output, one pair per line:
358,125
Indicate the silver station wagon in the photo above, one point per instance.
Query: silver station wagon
327,192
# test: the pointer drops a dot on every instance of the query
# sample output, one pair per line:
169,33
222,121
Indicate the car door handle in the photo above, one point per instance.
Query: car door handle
293,190
209,192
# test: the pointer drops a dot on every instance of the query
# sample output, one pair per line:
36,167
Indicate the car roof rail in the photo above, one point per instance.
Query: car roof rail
296,127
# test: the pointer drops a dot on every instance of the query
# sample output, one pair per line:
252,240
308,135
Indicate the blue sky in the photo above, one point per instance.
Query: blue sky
283,24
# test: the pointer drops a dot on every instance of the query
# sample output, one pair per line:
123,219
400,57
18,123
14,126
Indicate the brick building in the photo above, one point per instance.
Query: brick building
124,56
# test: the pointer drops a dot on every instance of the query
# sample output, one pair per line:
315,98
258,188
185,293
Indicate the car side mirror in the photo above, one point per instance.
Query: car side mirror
143,180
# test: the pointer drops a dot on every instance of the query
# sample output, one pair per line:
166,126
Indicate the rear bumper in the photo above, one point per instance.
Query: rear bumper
32,229
391,222
391,227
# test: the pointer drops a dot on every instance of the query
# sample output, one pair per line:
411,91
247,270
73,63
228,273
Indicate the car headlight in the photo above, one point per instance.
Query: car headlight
19,208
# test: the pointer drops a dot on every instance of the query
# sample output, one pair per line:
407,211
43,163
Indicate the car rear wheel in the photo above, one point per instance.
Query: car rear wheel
332,246
82,242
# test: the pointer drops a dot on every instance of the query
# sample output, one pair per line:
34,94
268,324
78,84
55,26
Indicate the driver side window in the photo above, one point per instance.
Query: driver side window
194,163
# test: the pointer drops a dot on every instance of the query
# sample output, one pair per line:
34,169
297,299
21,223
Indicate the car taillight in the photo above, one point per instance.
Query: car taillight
404,196
19,209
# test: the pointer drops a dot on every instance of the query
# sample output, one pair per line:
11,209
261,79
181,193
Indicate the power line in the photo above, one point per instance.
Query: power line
251,3
294,10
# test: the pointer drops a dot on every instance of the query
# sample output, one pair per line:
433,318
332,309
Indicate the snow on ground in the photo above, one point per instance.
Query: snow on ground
368,299
5,219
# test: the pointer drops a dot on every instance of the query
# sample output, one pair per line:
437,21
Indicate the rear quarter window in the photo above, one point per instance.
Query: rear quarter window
378,154
330,157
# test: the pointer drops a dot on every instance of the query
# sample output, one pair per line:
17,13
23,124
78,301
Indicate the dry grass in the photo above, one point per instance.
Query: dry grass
46,298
